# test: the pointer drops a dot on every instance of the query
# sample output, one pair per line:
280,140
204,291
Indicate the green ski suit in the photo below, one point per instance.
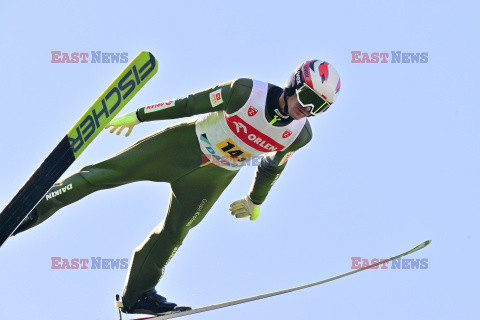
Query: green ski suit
173,155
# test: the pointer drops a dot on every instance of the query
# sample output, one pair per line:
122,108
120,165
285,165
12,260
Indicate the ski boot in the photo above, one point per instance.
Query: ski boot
153,303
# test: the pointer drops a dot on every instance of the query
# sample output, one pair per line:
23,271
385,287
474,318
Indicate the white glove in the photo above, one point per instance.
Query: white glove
245,208
128,120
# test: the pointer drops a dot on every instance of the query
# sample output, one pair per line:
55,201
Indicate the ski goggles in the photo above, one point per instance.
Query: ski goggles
309,98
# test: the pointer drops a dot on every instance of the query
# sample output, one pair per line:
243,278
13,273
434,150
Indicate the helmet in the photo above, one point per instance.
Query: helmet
320,76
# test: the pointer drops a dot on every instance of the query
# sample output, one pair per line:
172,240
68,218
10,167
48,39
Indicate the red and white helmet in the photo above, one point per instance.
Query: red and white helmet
319,75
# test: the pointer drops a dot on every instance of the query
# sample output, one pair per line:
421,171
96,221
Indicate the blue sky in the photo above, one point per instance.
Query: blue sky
393,163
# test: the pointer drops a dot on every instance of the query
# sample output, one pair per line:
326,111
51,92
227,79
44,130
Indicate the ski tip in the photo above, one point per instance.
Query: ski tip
422,245
419,247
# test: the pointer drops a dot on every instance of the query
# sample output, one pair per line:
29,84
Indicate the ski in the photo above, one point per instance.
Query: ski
175,314
100,113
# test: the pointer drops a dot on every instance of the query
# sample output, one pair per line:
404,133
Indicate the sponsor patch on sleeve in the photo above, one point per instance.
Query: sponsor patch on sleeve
159,106
285,158
216,98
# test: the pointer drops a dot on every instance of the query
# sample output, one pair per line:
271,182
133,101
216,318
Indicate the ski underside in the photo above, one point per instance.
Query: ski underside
175,314
90,124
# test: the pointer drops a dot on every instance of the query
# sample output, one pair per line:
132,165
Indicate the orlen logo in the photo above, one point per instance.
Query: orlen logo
252,111
159,106
216,97
287,134
252,136
285,159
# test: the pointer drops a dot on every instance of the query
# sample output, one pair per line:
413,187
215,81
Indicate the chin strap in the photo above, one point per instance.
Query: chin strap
286,104
279,112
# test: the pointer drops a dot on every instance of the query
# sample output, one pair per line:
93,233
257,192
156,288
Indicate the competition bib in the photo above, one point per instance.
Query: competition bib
230,140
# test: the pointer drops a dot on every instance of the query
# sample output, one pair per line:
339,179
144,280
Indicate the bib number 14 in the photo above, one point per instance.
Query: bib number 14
231,150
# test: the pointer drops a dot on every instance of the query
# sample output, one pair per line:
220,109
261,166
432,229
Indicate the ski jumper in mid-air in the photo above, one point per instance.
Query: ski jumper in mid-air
242,120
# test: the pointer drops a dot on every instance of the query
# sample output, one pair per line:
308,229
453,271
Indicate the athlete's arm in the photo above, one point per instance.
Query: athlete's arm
273,164
230,95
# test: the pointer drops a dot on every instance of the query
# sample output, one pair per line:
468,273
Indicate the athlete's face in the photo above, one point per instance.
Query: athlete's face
295,109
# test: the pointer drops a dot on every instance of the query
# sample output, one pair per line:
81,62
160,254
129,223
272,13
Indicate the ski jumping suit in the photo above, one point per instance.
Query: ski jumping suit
199,158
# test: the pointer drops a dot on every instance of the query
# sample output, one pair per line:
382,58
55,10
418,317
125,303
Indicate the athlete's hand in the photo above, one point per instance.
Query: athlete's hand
128,120
245,208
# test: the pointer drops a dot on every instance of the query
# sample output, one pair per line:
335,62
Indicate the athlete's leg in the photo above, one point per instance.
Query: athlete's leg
191,198
158,157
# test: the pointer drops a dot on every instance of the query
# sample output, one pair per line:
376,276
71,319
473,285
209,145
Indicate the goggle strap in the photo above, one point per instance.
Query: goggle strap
298,78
